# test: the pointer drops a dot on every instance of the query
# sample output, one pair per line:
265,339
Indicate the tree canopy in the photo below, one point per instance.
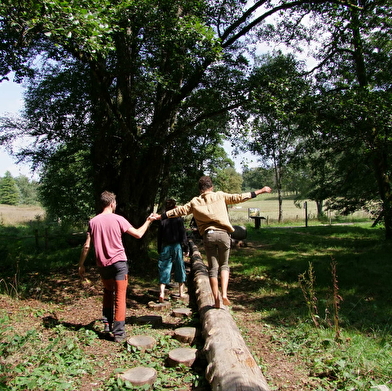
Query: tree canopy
139,85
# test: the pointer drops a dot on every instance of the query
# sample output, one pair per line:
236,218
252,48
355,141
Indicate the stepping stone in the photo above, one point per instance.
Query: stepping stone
185,356
142,342
159,306
156,291
139,376
154,320
181,312
184,298
185,334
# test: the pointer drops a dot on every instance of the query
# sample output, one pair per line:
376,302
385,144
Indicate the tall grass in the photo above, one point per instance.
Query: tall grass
15,215
352,300
31,250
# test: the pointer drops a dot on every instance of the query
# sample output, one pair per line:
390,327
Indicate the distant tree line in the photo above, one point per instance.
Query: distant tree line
18,191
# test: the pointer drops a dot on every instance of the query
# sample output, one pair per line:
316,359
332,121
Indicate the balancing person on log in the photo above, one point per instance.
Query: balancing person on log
209,210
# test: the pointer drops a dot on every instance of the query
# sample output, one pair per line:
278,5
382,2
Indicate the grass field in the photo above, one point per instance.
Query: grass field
269,208
14,215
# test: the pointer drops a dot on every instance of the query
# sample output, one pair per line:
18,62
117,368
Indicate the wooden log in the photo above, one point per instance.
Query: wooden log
240,232
231,367
185,356
140,376
142,342
186,334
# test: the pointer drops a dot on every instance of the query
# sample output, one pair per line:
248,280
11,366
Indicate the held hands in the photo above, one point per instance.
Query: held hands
153,217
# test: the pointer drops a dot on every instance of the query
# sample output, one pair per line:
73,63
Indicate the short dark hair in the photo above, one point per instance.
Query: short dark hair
170,204
205,183
107,198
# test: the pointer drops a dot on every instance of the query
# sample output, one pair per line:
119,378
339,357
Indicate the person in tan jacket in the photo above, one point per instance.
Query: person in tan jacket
209,210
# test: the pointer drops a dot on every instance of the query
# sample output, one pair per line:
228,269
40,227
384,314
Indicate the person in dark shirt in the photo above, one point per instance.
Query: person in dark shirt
172,243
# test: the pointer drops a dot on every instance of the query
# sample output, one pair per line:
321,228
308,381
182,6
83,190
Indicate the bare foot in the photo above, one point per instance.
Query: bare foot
217,304
226,301
161,299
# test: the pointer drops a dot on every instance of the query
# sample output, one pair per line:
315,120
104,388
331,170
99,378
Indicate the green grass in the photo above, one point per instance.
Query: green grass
292,214
352,347
31,362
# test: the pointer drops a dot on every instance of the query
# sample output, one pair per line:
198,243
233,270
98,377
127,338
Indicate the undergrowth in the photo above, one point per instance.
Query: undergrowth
34,361
339,323
325,294
356,362
30,363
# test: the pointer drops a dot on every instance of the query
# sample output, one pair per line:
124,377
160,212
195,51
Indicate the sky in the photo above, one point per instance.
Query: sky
11,102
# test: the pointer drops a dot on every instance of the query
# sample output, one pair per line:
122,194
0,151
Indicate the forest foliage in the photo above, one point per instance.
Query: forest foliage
137,97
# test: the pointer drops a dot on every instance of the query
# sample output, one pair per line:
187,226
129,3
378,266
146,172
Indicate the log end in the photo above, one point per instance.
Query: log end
154,320
159,306
185,356
186,334
181,312
140,376
142,342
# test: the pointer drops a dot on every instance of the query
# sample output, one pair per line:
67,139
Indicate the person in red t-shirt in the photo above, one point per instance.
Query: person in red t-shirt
105,230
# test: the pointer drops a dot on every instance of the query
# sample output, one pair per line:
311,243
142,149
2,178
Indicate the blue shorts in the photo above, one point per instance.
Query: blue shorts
171,255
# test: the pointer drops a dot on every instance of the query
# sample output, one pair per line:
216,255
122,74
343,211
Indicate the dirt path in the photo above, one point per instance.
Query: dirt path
64,299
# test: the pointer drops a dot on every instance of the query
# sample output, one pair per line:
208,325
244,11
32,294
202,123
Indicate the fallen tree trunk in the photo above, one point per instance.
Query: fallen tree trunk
231,367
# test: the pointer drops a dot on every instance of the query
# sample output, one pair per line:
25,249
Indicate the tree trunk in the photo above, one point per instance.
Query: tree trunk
320,212
384,186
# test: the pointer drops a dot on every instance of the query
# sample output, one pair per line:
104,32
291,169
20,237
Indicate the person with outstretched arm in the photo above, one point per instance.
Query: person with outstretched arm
209,210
